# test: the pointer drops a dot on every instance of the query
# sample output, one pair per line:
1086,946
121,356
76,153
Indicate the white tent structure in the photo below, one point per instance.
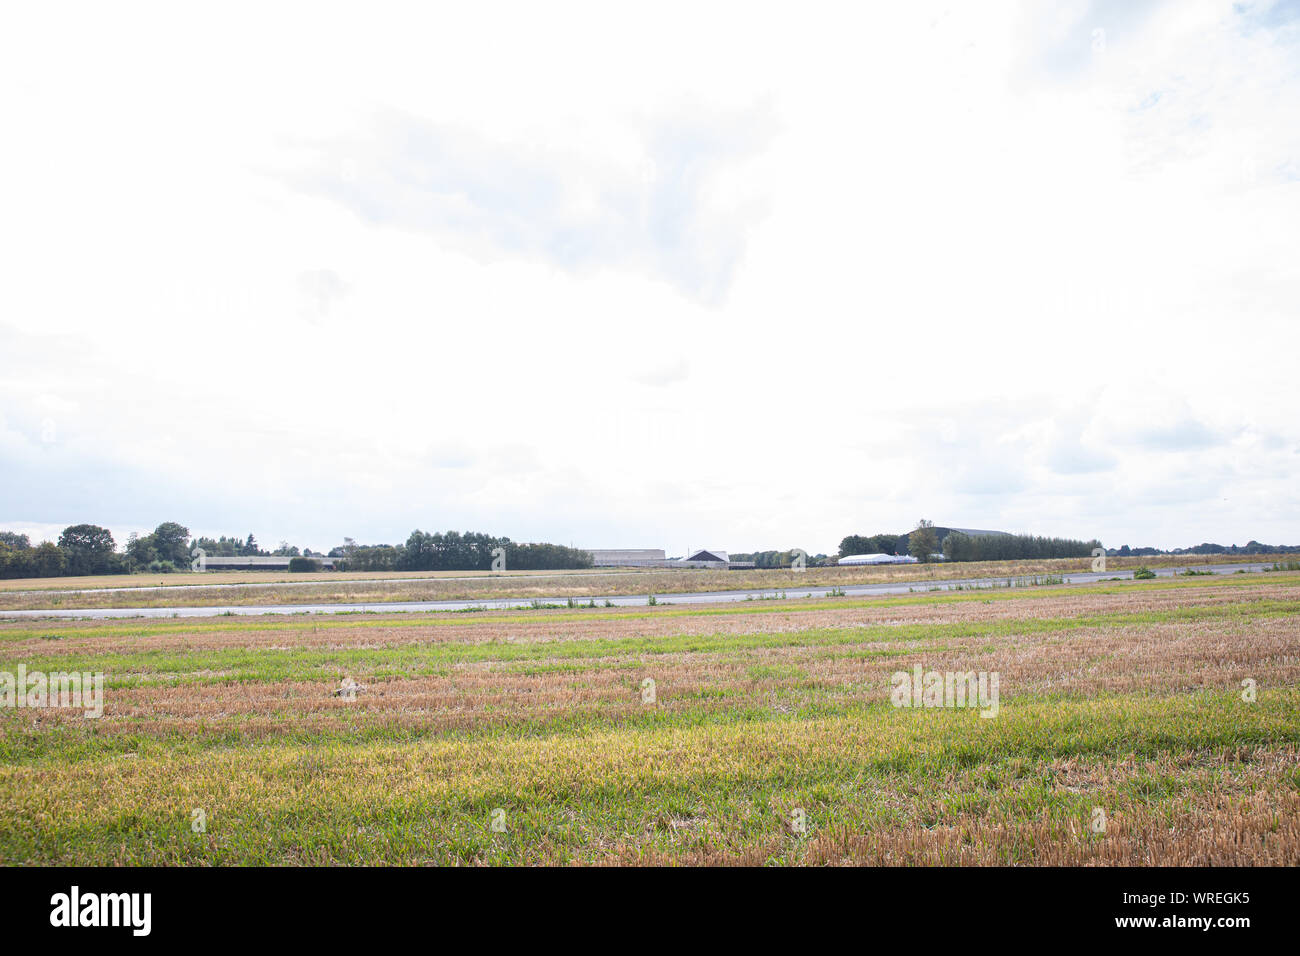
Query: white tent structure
877,559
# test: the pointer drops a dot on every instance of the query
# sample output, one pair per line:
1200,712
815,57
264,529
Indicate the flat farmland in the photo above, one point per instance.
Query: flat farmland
219,589
1152,722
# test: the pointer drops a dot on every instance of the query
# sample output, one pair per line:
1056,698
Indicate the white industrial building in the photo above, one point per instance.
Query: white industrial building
628,558
877,559
278,562
708,558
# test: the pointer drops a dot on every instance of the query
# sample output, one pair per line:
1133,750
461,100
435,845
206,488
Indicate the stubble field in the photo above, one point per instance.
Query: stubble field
770,736
218,589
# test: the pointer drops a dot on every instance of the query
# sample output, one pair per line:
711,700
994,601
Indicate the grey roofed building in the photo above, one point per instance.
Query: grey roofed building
628,557
710,554
714,559
233,562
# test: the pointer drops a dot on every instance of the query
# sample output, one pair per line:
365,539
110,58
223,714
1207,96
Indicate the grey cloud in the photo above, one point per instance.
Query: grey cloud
990,475
1073,458
1184,435
1268,14
452,455
493,199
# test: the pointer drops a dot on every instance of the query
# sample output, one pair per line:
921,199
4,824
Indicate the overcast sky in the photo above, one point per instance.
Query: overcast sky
708,276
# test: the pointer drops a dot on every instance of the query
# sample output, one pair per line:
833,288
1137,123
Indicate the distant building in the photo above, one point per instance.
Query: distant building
715,555
629,558
877,559
708,558
712,559
230,562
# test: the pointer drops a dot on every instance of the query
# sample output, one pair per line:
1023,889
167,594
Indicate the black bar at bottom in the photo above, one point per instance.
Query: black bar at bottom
234,905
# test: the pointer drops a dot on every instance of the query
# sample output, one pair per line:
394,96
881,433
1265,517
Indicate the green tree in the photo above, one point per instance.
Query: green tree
172,542
48,560
923,542
88,549
853,544
140,552
874,544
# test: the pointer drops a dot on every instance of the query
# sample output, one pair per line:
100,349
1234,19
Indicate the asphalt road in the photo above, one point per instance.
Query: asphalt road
794,589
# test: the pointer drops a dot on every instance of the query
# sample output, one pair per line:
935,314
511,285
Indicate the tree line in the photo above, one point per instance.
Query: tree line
926,542
1013,547
874,544
89,549
457,551
781,559
84,549
1207,547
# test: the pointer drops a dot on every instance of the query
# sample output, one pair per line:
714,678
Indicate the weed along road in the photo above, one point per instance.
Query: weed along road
792,590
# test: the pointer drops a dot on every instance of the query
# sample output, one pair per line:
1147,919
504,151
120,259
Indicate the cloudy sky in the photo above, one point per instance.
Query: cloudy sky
740,276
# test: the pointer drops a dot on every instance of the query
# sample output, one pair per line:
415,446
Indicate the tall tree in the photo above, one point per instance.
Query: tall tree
172,542
88,548
48,560
923,542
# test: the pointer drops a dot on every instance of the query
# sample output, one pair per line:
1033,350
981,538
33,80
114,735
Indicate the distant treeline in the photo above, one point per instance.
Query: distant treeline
1013,547
873,544
89,549
956,546
780,559
454,551
1251,547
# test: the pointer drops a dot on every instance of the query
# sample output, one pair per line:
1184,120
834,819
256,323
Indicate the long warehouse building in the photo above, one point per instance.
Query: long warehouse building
629,558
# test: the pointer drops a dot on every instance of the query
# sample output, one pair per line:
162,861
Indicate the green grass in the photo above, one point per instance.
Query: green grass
234,665
352,619
568,795
751,723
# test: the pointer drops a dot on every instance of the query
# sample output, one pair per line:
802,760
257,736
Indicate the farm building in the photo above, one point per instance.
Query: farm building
711,555
228,562
714,558
877,559
629,558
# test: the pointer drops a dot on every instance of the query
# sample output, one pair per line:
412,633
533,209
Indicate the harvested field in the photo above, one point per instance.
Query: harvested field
277,588
767,735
